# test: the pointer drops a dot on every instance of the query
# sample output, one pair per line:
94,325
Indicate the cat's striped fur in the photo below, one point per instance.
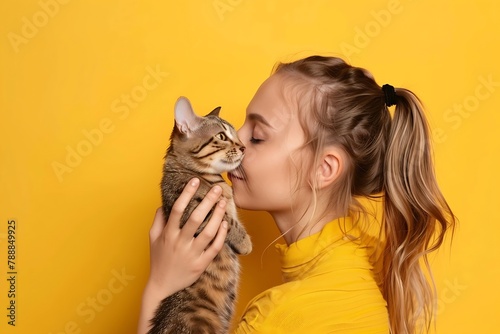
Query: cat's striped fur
203,147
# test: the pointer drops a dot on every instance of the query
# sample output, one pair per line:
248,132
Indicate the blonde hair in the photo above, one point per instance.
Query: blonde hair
385,155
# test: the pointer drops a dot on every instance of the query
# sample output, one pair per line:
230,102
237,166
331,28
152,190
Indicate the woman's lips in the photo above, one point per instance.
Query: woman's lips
232,176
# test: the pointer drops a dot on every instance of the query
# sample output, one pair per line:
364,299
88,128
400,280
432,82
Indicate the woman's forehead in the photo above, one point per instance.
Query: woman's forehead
271,103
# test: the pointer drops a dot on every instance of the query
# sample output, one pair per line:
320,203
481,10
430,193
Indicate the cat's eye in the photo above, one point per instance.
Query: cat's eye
221,136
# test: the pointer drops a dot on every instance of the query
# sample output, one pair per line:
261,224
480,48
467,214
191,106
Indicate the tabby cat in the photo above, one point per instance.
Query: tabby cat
203,147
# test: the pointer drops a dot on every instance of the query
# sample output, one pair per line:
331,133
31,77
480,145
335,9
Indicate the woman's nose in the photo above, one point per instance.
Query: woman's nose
241,135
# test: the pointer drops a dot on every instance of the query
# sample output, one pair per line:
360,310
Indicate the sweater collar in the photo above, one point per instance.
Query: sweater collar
298,256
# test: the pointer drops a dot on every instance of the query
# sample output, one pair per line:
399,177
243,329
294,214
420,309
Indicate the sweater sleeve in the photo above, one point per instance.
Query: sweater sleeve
260,315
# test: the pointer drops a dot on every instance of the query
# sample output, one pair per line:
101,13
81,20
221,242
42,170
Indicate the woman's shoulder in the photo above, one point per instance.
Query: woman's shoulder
268,309
304,306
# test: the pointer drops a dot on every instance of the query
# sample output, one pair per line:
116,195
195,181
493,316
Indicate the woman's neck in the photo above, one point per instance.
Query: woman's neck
294,227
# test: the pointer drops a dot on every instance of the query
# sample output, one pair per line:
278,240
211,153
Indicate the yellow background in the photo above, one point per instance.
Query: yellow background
67,68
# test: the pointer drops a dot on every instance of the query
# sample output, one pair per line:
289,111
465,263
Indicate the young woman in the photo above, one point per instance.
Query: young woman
319,138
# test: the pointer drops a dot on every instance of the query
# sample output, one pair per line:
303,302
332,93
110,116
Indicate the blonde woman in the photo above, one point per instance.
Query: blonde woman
319,137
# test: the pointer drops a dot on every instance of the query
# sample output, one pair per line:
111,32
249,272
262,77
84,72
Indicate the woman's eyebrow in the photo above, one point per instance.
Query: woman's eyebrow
259,118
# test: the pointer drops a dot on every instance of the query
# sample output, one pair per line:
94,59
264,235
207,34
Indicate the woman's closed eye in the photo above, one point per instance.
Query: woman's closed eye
254,140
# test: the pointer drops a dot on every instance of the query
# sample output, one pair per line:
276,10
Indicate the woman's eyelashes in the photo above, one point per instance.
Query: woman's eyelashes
254,140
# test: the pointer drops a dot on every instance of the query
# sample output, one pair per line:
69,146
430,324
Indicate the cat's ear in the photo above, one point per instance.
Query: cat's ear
185,118
215,112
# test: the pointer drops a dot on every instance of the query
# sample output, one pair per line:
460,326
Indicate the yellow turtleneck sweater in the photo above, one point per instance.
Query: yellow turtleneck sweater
329,287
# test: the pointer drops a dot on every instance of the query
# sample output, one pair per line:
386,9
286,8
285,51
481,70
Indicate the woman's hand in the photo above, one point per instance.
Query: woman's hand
177,259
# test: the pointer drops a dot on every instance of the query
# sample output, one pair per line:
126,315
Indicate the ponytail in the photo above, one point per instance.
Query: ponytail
415,218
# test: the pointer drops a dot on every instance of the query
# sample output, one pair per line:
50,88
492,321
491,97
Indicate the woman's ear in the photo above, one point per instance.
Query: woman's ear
330,167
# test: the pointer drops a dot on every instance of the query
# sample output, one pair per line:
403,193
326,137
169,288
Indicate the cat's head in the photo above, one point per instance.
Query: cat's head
210,144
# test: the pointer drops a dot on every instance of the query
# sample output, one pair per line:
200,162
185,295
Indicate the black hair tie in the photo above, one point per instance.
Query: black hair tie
390,95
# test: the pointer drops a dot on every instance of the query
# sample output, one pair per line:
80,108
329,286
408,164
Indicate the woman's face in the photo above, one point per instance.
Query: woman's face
271,134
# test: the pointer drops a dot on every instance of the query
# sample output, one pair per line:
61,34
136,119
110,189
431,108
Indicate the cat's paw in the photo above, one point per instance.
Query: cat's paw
244,246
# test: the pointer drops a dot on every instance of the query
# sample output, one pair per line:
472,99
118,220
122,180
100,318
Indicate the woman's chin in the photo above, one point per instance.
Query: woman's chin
240,202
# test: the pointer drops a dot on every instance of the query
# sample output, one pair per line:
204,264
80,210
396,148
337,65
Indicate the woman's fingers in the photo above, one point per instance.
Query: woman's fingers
177,259
212,229
200,213
158,225
181,203
214,249
186,234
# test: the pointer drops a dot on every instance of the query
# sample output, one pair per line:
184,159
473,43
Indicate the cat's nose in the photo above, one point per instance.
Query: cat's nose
242,149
